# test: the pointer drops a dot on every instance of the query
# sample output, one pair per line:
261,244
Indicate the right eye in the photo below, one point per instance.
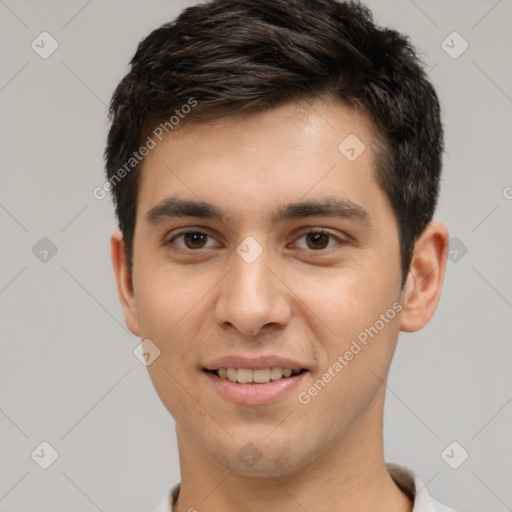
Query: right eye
191,240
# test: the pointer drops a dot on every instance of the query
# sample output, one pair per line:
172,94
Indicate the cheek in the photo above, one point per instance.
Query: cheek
358,335
170,308
347,303
171,315
358,324
164,296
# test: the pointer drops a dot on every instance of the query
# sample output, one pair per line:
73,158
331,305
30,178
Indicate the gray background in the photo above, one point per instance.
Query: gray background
67,370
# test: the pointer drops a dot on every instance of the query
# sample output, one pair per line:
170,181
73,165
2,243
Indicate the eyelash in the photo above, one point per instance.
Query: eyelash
303,234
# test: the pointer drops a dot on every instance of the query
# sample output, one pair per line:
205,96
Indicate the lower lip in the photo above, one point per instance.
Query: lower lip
255,394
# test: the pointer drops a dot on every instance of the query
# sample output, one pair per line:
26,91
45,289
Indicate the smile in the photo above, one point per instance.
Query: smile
263,386
259,376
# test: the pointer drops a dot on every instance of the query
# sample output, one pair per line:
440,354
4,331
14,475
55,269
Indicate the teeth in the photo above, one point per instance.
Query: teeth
243,375
246,376
276,373
261,376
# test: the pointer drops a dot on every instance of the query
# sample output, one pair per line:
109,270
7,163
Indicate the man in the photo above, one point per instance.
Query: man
275,168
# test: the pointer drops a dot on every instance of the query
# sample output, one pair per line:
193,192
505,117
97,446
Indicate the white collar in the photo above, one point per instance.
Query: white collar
412,485
408,482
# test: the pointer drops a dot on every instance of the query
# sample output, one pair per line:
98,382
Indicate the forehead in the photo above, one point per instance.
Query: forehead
290,152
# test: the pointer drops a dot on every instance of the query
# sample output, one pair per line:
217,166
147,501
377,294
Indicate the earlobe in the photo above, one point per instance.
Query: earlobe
124,282
424,283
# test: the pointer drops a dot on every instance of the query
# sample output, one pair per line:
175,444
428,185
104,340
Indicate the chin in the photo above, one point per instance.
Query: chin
263,467
260,457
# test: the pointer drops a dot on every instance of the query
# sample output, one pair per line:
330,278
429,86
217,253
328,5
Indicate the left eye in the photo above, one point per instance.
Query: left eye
318,240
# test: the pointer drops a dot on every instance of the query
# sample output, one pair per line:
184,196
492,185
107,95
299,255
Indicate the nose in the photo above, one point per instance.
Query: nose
252,297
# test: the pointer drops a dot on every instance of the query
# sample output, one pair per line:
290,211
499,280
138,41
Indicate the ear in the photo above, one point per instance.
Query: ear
124,282
422,289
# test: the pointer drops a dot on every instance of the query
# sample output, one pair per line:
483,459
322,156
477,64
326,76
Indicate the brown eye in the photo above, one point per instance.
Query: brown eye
192,240
195,240
317,240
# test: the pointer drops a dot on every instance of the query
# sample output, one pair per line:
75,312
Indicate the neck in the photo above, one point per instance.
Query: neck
350,476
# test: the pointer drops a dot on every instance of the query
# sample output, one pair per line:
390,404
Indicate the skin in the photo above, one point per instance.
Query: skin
298,300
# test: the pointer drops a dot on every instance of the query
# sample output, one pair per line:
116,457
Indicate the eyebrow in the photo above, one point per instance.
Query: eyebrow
174,207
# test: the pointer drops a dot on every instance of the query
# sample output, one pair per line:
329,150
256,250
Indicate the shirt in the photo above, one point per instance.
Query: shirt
408,482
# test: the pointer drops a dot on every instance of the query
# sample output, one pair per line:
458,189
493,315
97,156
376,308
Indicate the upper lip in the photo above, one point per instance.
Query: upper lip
254,363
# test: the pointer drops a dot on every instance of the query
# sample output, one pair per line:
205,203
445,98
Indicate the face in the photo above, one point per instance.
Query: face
260,245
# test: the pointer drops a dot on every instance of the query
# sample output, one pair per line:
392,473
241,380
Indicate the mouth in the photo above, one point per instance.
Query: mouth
255,386
256,376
